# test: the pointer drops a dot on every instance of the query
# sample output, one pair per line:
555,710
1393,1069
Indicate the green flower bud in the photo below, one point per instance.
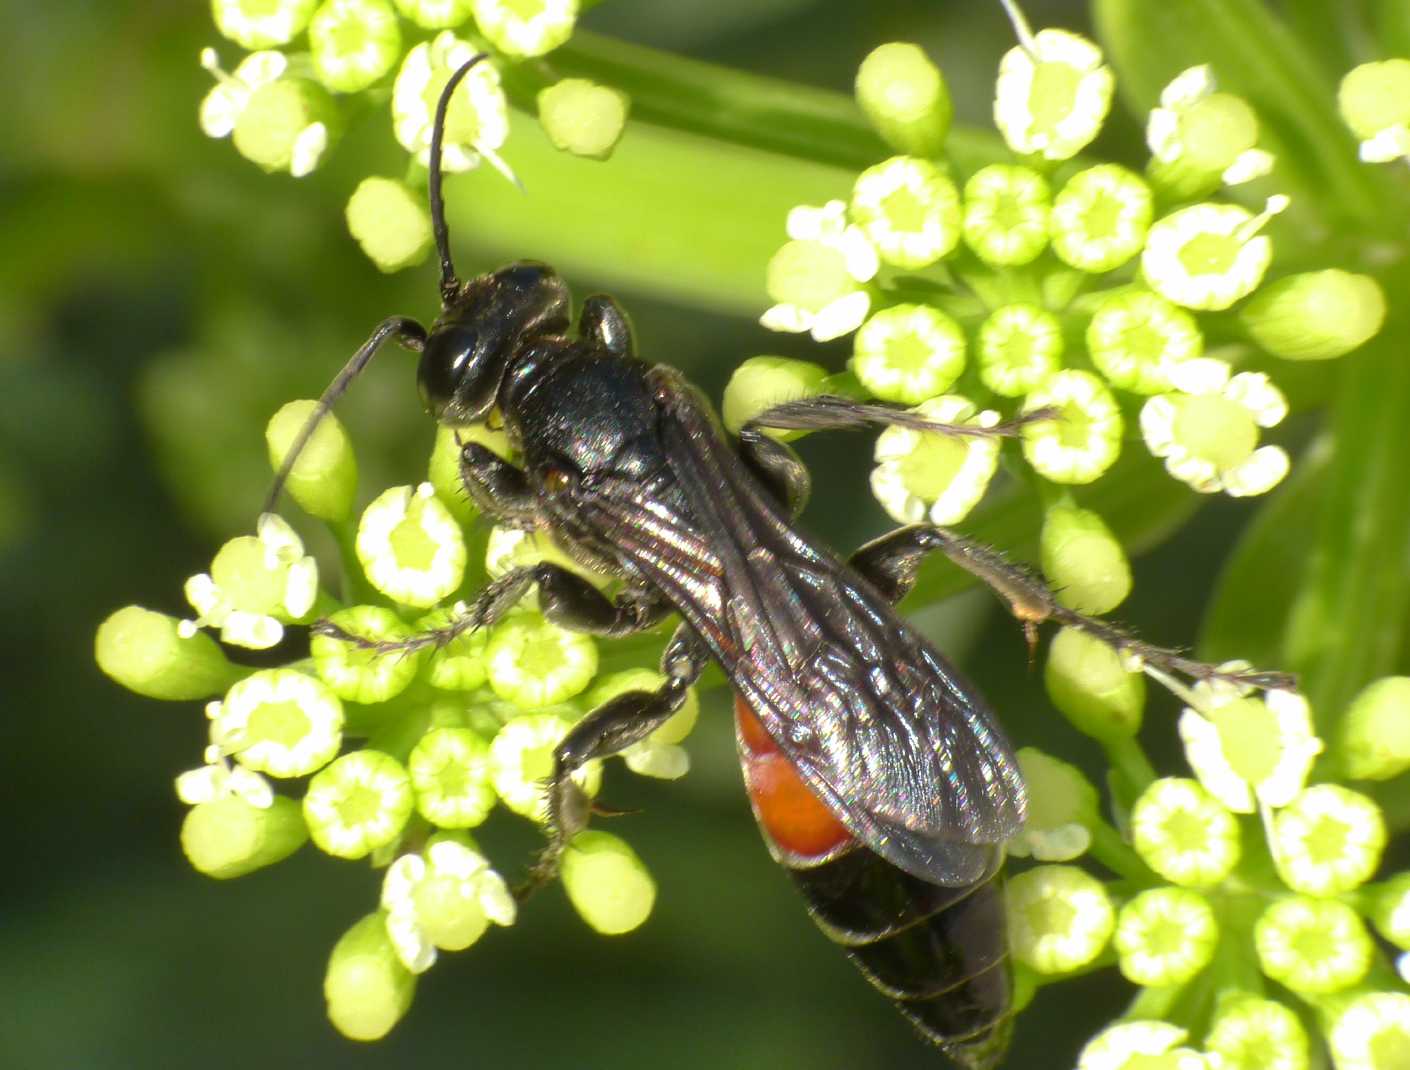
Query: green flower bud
229,837
1374,100
324,478
521,761
1372,1032
1084,439
444,469
366,986
149,653
359,803
450,774
763,382
357,673
1062,807
1165,936
1006,213
607,883
1135,339
582,117
1020,347
1328,840
278,721
905,98
1060,918
909,209
1083,560
262,23
1209,256
1258,1034
1315,316
390,223
533,662
354,43
410,546
1100,219
1388,907
1312,946
908,353
1182,833
435,14
1088,682
287,125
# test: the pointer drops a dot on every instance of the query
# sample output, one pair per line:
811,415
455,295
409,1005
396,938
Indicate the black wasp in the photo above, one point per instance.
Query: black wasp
879,776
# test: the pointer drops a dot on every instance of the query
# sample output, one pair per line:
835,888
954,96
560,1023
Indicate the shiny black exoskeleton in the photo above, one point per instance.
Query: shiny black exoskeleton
851,722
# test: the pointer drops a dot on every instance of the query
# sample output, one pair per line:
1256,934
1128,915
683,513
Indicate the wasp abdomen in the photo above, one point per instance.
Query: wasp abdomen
939,953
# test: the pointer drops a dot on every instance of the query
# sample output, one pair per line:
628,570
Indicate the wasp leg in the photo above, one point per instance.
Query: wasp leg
564,598
777,467
602,320
611,728
498,488
892,562
831,412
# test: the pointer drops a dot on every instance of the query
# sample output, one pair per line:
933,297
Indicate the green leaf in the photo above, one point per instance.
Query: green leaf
1257,56
1247,617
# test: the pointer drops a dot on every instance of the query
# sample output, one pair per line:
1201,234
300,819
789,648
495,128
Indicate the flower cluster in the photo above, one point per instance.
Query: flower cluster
1082,289
287,102
1273,911
403,749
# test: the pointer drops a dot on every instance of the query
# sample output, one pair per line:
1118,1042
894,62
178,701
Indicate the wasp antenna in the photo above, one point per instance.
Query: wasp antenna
408,332
450,285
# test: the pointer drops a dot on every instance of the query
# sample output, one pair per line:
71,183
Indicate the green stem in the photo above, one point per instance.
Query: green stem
1131,770
1116,854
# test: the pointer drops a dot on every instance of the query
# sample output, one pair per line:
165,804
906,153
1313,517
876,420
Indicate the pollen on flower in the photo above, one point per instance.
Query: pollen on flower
1183,834
922,474
280,722
410,546
1328,840
1083,439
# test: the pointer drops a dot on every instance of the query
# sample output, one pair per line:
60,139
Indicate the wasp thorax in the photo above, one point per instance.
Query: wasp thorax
470,345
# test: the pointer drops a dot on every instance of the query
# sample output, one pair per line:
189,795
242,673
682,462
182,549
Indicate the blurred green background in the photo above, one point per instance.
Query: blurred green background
159,298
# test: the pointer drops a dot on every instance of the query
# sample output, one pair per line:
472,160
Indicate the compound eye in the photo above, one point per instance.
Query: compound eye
454,378
526,275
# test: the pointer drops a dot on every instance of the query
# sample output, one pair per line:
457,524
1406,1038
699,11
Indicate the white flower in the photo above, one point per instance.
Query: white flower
278,721
256,584
443,898
1052,94
261,23
1084,438
410,546
526,27
220,778
1248,751
1208,433
910,210
816,278
1372,1033
521,760
928,474
1135,1042
1196,125
477,118
1209,256
224,103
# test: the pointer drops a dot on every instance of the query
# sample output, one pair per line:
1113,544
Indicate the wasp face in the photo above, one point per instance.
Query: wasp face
470,345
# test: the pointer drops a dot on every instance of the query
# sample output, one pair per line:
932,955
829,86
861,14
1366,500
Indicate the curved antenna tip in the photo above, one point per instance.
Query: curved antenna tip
450,284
